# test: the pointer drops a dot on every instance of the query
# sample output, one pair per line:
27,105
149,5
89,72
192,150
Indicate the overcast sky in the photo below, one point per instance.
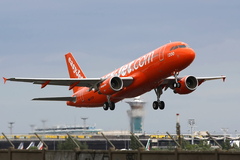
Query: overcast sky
104,35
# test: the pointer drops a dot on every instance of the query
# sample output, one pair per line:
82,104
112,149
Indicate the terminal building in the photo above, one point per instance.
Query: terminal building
64,129
71,129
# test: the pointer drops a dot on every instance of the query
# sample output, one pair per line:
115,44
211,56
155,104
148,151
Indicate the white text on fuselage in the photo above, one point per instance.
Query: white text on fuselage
171,54
75,70
134,65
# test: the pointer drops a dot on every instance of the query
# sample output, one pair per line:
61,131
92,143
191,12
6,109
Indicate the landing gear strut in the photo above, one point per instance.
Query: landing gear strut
158,104
108,104
176,84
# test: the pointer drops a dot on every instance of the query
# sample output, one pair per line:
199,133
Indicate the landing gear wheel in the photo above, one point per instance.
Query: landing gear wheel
179,85
161,105
155,105
176,85
105,106
112,106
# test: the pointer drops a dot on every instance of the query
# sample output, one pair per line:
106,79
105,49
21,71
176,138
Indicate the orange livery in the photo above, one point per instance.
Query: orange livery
157,70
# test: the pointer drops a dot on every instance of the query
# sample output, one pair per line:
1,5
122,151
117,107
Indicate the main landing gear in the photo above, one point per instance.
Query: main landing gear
108,104
158,104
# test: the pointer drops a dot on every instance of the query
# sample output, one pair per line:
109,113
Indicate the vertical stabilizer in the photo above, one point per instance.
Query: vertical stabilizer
40,146
148,145
32,144
74,69
20,145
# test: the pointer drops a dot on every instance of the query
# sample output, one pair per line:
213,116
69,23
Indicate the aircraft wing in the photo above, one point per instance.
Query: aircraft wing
71,82
203,79
167,83
200,79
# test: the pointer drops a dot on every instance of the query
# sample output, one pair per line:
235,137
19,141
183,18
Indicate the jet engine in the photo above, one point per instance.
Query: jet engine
111,86
188,85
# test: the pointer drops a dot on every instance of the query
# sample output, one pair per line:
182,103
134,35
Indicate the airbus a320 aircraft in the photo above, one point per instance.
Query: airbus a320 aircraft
156,70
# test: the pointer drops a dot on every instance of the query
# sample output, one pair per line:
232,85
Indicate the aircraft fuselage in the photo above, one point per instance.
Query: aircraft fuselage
148,72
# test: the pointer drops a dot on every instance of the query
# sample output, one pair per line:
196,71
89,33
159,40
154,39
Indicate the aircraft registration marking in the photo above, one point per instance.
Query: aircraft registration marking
171,54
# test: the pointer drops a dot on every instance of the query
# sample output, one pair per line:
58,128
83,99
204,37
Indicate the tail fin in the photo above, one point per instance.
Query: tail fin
20,145
40,146
32,144
74,69
148,145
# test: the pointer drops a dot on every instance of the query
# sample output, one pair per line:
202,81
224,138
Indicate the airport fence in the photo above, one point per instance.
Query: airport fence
111,154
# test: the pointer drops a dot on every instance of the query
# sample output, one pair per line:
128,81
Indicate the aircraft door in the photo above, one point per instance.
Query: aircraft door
161,53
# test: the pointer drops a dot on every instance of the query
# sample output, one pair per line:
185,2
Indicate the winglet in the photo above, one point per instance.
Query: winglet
224,77
5,80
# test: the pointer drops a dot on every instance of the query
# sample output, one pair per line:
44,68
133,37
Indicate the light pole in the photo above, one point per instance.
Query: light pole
11,126
225,130
43,121
32,127
191,123
178,131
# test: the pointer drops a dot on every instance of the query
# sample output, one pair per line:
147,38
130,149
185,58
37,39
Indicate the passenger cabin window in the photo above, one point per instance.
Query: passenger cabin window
182,46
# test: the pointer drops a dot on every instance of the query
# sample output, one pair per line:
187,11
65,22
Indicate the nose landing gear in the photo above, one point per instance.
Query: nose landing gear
176,84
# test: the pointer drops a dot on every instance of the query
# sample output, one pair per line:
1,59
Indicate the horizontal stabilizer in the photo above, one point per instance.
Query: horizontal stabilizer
73,99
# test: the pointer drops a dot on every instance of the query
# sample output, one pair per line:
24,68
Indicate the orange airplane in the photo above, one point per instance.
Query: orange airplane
156,70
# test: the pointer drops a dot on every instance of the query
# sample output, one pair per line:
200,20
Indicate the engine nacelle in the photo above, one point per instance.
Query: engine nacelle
188,84
111,86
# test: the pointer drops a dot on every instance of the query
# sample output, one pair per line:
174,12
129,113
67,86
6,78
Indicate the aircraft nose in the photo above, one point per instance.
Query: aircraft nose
190,55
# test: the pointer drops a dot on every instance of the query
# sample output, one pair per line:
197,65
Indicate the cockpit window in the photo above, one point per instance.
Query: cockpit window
179,46
182,46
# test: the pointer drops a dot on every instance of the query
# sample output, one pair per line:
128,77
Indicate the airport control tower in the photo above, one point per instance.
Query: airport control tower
136,115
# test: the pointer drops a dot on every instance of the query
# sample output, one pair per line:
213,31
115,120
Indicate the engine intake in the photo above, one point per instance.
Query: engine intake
188,85
111,86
